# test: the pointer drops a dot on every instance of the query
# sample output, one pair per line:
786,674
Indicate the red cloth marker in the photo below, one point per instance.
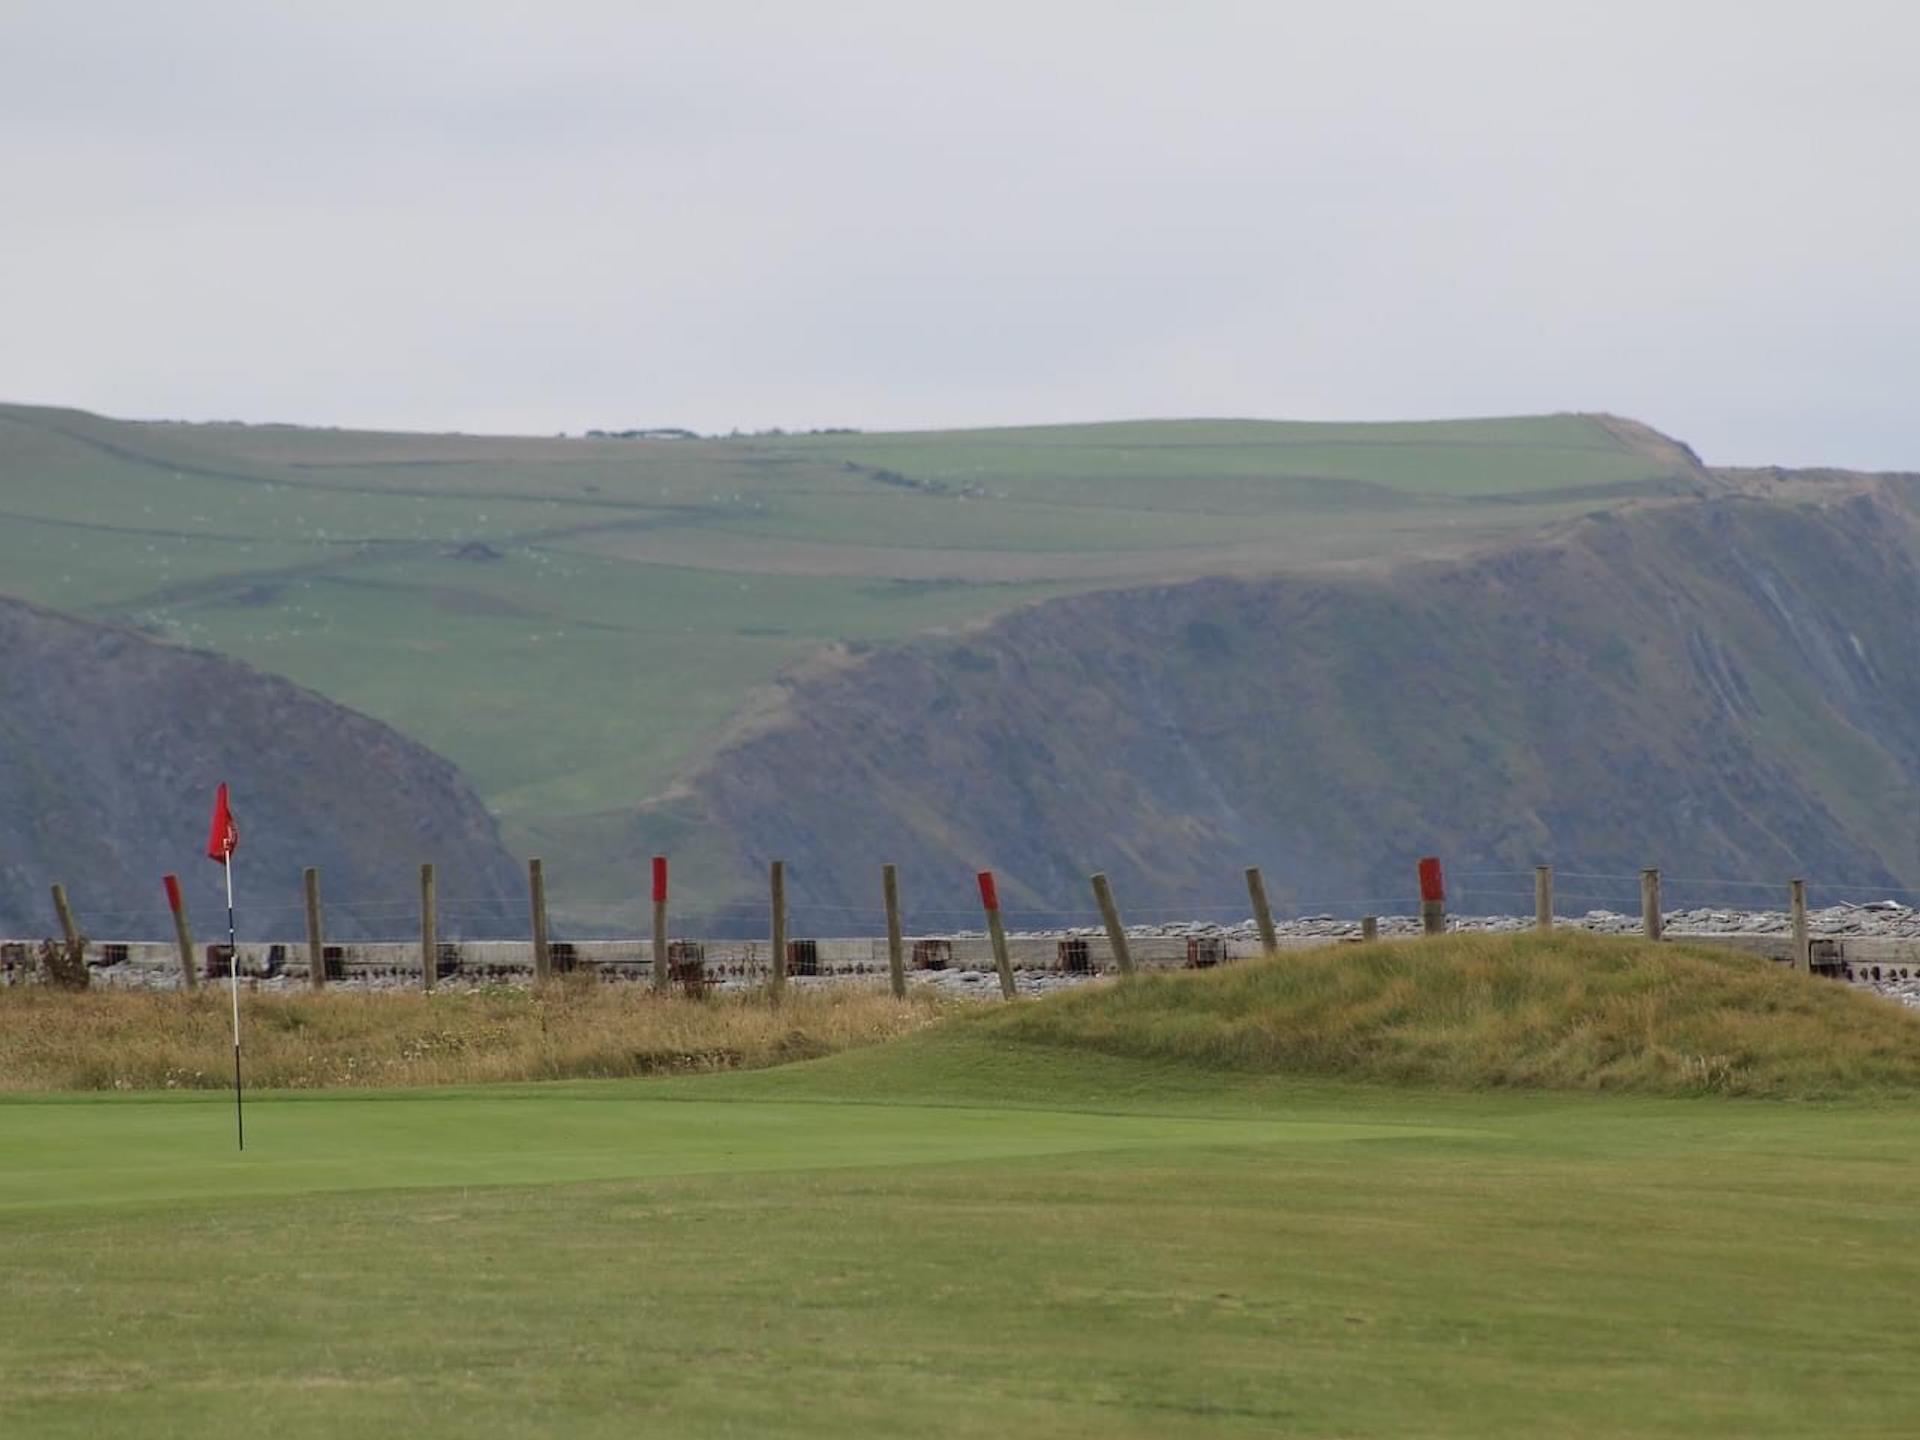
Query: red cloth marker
223,837
659,879
1433,885
989,896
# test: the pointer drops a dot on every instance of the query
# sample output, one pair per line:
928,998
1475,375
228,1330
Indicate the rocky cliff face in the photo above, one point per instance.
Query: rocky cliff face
1726,687
110,749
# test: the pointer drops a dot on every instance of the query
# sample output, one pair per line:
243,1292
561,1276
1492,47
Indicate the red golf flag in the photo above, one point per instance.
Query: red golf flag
224,838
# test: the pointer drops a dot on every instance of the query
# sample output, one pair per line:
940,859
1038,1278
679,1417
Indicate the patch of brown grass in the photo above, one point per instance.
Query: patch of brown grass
157,1040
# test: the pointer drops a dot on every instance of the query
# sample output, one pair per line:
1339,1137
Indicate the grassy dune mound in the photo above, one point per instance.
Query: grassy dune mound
1567,1011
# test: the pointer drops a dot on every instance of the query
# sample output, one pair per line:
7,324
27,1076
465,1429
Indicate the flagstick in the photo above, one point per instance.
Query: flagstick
233,984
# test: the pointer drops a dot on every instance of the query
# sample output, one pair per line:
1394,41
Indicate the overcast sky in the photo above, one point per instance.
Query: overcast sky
559,215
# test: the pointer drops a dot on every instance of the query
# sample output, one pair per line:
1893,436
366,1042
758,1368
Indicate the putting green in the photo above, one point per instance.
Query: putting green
951,1237
110,1151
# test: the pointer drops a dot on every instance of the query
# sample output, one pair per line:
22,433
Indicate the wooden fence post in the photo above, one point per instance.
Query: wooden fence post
1262,913
777,905
316,935
990,900
1110,917
896,961
660,974
182,933
1650,924
1433,897
429,929
1369,928
1802,946
61,908
1543,897
537,899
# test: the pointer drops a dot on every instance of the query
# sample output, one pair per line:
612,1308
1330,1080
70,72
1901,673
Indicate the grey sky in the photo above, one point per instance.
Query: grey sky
495,216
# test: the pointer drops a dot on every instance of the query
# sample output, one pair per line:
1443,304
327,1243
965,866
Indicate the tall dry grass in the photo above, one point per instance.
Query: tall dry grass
156,1040
1566,1011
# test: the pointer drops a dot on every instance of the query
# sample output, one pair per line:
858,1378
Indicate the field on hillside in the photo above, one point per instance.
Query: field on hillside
575,622
1083,1215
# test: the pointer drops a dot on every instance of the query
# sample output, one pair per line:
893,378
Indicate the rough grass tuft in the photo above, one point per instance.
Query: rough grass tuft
144,1040
1567,1011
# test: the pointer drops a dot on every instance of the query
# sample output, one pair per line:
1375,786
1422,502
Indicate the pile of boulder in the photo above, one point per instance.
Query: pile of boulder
1888,919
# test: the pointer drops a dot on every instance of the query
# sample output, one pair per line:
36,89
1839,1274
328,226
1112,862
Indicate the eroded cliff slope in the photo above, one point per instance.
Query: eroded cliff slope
110,748
1725,687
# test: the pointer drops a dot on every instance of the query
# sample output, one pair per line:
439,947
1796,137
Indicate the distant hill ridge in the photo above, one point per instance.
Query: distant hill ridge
111,746
642,601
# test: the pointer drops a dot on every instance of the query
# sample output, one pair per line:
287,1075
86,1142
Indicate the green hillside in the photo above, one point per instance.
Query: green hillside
576,621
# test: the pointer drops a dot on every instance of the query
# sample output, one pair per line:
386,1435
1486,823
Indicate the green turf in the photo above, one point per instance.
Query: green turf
575,622
948,1238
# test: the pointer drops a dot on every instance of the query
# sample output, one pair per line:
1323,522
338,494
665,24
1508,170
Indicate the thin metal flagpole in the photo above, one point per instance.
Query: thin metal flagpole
233,984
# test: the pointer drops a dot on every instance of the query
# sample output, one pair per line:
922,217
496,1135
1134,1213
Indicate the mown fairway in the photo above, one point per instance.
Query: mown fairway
952,1236
577,622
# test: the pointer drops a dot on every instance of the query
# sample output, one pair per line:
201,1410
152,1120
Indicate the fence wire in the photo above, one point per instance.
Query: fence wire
1474,893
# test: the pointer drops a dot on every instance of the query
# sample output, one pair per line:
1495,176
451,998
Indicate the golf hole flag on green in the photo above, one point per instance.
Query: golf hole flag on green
223,838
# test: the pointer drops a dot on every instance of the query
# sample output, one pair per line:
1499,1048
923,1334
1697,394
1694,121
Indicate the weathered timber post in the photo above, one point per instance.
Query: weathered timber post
1802,946
1369,928
660,975
1110,917
537,899
316,935
65,911
1262,912
1433,897
777,904
429,929
990,901
896,961
182,933
1650,924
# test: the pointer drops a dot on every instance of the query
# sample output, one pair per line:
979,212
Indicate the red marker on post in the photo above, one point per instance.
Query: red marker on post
1433,897
990,900
182,932
661,978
